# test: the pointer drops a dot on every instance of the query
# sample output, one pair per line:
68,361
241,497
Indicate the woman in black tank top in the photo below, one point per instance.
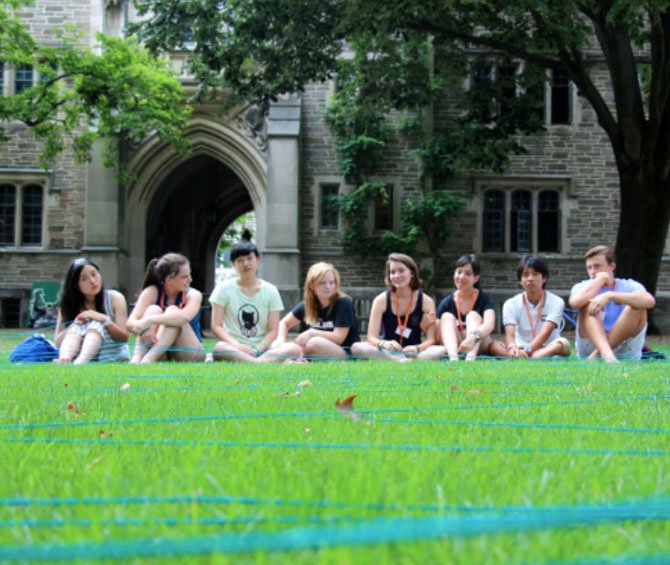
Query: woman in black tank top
467,316
399,316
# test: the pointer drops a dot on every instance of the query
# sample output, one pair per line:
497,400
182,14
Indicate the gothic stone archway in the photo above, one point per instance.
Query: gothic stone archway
185,204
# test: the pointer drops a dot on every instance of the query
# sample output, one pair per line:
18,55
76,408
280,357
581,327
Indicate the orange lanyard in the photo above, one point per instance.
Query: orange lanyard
163,300
402,325
538,316
461,324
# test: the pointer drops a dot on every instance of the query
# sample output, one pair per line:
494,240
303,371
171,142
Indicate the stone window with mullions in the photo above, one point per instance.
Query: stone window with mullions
16,79
23,78
21,214
329,215
557,93
521,219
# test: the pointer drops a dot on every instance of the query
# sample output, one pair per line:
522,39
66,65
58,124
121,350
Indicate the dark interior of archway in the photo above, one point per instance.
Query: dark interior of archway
191,209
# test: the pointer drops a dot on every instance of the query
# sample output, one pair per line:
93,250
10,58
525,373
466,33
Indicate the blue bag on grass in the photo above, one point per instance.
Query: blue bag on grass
35,349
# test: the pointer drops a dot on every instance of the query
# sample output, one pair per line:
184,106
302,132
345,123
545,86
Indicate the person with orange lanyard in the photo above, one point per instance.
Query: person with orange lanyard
467,316
533,319
166,317
403,314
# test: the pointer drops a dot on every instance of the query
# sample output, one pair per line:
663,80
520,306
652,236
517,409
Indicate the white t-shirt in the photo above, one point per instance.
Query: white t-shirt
246,317
514,313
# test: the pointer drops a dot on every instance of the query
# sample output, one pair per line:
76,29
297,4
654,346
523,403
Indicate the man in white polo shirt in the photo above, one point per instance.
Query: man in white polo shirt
534,318
612,319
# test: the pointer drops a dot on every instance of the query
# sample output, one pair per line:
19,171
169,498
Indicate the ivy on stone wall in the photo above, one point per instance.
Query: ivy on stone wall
359,121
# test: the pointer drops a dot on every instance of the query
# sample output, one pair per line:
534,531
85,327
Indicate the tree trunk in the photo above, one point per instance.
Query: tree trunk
643,226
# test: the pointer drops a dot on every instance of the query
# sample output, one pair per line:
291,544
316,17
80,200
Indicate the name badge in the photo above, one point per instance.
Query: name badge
405,334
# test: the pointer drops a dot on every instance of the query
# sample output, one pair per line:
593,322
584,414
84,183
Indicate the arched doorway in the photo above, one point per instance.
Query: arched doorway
198,201
177,204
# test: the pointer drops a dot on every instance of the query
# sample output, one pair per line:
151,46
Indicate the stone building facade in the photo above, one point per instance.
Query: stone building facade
560,198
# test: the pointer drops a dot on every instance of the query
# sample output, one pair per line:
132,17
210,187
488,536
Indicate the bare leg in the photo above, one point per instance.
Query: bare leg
469,345
142,348
593,328
630,323
69,347
323,348
450,337
165,337
555,348
90,347
364,349
433,352
139,351
497,349
283,352
225,352
187,346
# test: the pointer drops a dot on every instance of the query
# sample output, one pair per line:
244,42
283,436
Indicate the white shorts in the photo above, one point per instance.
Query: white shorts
630,348
110,351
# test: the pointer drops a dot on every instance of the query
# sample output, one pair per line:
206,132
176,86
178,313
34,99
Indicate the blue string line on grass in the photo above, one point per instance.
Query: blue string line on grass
658,504
367,532
224,417
343,446
617,560
241,416
171,521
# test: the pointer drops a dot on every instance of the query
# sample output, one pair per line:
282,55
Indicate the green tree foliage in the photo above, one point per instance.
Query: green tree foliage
264,48
120,92
233,234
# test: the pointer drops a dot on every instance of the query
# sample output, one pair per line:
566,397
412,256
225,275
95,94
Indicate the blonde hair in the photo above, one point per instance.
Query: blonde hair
314,276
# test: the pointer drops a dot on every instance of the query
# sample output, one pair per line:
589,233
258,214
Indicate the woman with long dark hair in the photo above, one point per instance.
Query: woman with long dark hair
91,322
166,317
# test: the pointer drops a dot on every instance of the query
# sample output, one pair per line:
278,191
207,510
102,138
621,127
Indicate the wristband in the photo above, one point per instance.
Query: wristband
108,322
379,344
145,330
257,351
265,344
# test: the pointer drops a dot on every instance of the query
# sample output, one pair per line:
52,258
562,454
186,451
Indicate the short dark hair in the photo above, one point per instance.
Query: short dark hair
470,259
535,262
244,247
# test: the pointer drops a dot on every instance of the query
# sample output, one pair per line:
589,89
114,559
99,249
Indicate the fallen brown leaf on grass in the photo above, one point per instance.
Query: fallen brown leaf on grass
346,405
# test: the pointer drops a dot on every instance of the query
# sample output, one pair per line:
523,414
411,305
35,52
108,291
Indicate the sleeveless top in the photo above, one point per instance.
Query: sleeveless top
180,303
111,350
389,323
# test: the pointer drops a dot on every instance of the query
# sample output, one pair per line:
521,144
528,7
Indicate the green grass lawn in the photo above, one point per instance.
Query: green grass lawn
491,462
